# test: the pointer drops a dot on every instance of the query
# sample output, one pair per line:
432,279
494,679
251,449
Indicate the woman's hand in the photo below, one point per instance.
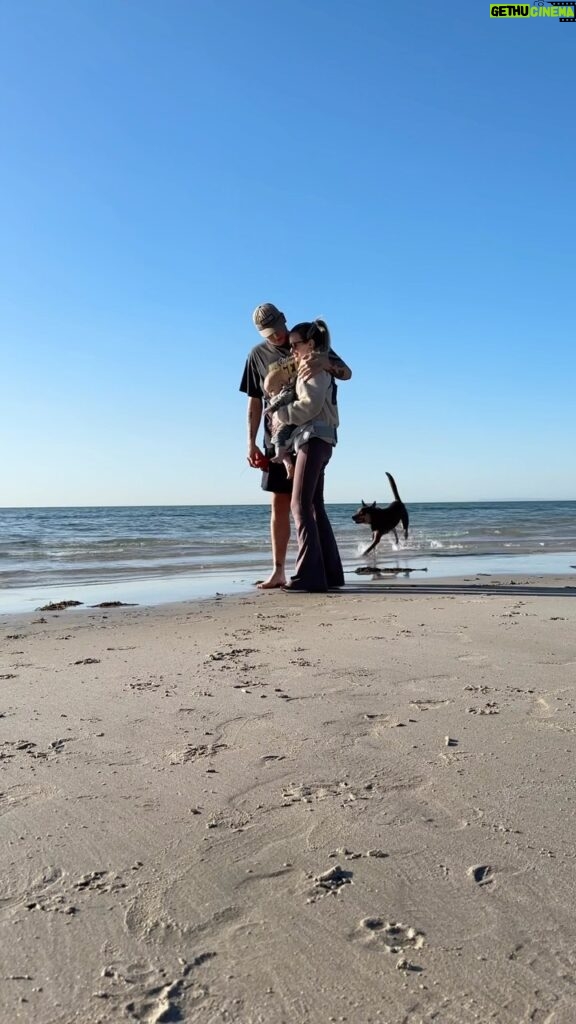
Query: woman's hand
311,364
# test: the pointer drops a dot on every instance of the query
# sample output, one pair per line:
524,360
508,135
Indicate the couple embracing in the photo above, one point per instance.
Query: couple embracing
298,367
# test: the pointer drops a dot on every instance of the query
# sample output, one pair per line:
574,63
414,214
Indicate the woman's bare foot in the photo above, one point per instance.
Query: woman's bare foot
277,579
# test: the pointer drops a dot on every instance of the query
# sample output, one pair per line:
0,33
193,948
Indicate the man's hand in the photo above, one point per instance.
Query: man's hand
256,457
312,364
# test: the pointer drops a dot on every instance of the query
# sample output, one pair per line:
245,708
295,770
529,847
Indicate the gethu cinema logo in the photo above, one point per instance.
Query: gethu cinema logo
527,11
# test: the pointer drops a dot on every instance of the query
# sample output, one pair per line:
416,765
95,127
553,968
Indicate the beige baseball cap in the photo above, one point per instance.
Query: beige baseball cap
268,319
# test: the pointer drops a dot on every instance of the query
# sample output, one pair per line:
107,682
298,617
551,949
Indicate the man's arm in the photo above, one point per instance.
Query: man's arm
255,455
338,368
251,386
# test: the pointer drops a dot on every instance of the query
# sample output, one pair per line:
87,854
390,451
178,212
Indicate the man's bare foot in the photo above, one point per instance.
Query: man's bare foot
277,579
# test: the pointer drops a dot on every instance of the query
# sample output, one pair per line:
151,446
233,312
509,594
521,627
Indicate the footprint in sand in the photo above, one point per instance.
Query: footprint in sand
152,683
490,708
382,723
54,892
429,703
47,893
329,883
236,652
191,753
99,881
294,794
30,748
481,660
482,874
16,796
149,994
390,936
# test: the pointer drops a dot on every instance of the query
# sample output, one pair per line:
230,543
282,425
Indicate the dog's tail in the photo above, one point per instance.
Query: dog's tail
404,511
393,486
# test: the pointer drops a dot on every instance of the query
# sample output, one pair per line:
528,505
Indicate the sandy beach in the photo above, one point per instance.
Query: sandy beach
293,809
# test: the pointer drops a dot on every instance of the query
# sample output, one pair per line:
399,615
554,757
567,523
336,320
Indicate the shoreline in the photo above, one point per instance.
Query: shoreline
156,590
403,584
292,808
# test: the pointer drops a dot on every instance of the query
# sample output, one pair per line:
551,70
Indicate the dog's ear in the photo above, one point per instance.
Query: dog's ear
363,503
373,504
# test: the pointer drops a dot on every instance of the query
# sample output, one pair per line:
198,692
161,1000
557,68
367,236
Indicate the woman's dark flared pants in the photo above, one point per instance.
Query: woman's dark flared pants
318,565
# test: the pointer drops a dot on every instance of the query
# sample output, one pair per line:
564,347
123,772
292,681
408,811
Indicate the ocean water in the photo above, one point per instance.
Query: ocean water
153,554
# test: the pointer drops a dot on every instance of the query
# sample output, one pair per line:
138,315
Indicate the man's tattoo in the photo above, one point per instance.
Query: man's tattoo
337,370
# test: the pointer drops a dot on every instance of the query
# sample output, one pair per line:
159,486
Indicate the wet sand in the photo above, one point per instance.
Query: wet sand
293,809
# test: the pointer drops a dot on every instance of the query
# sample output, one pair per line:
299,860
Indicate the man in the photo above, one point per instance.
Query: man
271,355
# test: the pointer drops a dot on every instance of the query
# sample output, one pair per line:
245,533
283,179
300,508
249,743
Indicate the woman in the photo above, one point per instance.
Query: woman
314,413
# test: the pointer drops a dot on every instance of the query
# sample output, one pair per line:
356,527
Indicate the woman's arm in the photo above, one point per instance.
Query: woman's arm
330,362
311,397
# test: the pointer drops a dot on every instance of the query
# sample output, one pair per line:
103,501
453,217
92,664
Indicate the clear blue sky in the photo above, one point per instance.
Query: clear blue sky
404,170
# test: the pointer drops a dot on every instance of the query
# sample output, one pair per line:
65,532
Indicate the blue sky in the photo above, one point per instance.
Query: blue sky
404,170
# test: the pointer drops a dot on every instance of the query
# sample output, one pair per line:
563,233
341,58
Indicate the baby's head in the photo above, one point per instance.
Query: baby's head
276,380
272,385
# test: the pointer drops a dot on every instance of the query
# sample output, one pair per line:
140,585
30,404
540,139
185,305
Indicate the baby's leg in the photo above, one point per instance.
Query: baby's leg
284,455
282,441
281,452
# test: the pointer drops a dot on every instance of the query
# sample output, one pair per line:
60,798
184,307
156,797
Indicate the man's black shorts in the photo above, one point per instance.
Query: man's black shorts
274,479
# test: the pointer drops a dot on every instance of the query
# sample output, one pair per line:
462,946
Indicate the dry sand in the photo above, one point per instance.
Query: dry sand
283,809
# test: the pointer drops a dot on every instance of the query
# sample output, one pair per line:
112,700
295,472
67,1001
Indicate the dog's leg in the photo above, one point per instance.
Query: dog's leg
376,538
395,535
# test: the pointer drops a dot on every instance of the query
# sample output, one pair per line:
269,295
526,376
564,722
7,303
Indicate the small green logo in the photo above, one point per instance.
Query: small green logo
541,9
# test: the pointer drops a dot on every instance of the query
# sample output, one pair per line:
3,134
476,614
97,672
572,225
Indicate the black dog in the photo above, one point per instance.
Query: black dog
383,520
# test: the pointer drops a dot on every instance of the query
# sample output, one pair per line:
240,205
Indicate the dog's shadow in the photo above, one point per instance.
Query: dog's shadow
377,586
379,573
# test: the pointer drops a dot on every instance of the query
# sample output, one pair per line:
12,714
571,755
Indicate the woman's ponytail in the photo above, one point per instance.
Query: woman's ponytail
322,336
317,331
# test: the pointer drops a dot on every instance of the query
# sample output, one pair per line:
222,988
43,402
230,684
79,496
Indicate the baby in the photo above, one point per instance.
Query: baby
279,387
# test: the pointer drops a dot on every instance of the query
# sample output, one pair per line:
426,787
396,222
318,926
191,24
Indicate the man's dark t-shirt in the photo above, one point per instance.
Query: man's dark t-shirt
261,360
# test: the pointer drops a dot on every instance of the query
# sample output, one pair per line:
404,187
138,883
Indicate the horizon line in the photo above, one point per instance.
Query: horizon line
265,504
